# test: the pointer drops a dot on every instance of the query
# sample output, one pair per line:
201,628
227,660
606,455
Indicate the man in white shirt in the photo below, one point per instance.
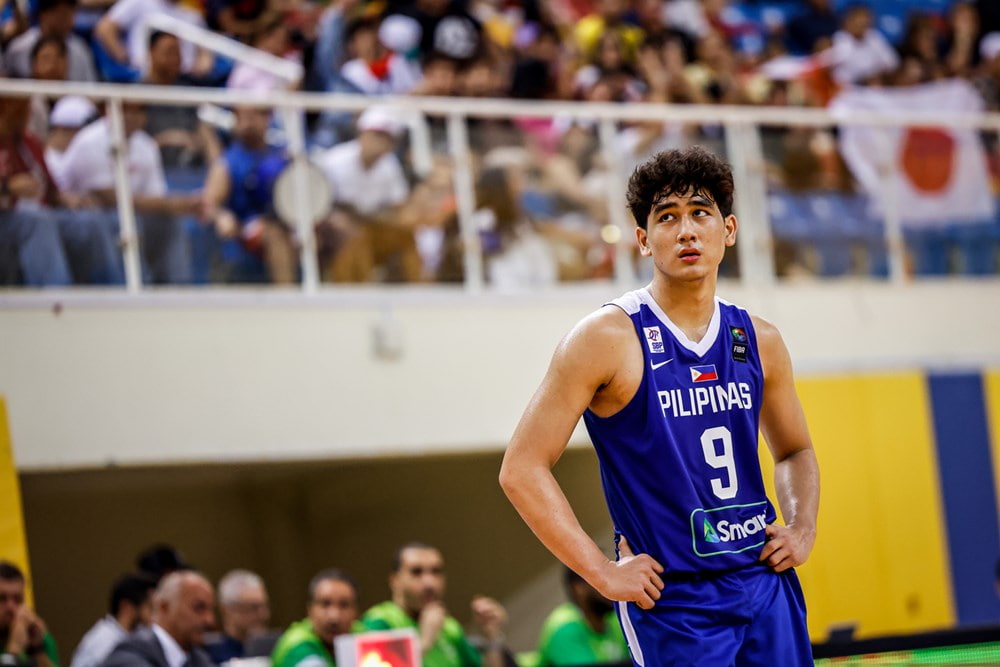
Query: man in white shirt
130,17
88,169
131,607
55,19
860,53
183,611
369,188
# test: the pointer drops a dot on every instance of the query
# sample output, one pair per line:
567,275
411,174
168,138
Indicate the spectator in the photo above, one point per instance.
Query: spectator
860,53
245,612
518,256
88,170
959,50
126,60
417,583
131,607
919,50
47,238
446,26
332,611
237,203
272,38
988,82
607,19
182,614
55,20
583,631
238,19
713,76
69,114
22,633
48,63
184,141
369,187
812,28
380,64
159,560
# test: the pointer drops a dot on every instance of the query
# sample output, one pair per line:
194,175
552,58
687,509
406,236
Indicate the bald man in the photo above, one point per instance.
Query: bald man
183,611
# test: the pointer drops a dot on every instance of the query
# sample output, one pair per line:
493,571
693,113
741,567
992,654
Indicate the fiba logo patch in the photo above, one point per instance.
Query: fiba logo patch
654,339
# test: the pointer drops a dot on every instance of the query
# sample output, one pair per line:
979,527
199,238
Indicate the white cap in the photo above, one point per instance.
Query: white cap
72,111
381,119
989,46
399,33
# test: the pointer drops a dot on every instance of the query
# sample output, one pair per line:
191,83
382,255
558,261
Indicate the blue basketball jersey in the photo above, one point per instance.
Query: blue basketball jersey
679,462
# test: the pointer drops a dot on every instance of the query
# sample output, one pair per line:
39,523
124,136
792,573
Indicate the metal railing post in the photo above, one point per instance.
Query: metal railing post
291,119
458,146
617,214
127,227
754,245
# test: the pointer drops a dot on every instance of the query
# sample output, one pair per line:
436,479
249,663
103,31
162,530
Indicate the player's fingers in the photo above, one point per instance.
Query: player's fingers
771,529
645,602
651,590
777,559
769,548
657,582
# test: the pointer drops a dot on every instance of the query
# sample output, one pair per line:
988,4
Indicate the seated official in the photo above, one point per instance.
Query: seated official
131,608
24,641
332,611
583,631
183,611
417,583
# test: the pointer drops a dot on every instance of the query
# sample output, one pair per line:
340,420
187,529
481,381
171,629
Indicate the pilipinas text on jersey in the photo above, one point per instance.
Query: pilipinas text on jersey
679,463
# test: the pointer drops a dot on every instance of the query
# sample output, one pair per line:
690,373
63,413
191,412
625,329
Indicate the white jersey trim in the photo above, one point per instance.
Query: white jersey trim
630,637
701,347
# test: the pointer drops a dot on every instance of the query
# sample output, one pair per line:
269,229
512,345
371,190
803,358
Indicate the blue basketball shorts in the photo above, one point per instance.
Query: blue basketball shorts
747,617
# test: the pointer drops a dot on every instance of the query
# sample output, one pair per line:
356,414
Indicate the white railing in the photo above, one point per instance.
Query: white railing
741,124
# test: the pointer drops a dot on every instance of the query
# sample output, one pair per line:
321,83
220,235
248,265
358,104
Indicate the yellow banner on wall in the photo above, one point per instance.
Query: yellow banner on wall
13,546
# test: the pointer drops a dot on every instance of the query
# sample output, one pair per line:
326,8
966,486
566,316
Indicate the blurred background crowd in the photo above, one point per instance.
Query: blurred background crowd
203,179
166,613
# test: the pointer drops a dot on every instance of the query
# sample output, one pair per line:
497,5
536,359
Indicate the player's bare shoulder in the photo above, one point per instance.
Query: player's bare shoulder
771,347
606,345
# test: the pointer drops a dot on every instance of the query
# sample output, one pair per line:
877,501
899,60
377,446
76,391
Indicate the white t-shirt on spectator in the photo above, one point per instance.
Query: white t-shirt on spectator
401,77
87,164
855,61
131,15
79,59
369,192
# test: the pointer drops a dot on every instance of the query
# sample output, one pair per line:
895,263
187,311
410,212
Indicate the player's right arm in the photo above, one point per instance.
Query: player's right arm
585,370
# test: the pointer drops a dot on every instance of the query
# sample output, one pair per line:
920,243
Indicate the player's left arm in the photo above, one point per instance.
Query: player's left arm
796,472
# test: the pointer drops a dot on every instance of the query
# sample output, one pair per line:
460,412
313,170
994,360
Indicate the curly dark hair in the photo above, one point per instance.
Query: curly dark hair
678,172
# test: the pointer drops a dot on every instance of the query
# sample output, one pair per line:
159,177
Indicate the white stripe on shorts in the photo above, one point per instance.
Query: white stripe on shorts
633,641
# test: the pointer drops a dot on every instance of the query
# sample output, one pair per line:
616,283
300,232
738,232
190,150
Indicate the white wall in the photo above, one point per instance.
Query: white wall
182,377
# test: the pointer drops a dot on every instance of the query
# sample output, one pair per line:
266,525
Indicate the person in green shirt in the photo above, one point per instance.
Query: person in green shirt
583,631
417,583
332,611
23,637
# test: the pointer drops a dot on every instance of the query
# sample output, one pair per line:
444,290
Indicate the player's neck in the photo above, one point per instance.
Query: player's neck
688,305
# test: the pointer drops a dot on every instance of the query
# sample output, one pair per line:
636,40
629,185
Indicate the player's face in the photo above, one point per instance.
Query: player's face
686,235
333,609
419,580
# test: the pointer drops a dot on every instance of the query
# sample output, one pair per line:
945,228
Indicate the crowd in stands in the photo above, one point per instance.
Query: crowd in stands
203,179
167,614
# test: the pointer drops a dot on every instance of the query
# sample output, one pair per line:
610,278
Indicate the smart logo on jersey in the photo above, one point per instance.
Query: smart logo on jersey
654,339
704,373
739,335
728,530
710,534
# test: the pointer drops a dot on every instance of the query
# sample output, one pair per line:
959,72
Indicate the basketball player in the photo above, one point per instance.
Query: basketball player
672,383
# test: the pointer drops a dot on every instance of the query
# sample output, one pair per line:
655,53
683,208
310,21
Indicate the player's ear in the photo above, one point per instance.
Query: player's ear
732,224
641,236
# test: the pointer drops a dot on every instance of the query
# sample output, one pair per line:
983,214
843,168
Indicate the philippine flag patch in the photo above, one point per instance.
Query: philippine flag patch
704,373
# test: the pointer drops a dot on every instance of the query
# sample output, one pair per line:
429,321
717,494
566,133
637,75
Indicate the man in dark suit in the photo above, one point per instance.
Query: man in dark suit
183,610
